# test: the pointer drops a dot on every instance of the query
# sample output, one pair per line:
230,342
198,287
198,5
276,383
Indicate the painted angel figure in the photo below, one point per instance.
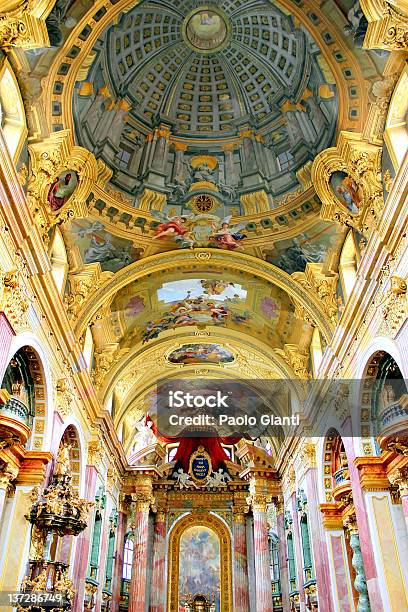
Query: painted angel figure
173,227
228,237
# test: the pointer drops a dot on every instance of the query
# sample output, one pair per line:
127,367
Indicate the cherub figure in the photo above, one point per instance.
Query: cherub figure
228,237
183,479
218,479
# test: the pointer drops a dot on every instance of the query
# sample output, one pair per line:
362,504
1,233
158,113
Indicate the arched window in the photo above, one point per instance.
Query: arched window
396,129
59,261
290,551
110,555
274,555
128,557
308,571
12,114
348,266
100,501
87,351
316,351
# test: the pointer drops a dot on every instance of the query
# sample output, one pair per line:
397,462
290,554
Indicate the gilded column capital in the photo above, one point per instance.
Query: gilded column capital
308,455
258,502
22,24
228,147
95,452
142,501
396,34
238,512
399,478
180,146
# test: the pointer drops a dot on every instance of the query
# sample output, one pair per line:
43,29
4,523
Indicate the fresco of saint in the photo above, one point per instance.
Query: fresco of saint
63,186
347,191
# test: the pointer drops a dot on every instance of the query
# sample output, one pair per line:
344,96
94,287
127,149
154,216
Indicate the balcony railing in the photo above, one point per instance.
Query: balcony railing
341,476
398,411
16,409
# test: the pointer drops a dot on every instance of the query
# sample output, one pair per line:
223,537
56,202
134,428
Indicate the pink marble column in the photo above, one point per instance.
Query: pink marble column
241,594
80,565
298,552
6,336
137,595
318,541
283,561
370,568
118,567
158,593
262,558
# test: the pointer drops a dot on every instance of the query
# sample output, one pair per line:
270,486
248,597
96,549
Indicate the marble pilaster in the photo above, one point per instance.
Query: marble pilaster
318,542
298,552
6,336
83,544
262,556
137,595
158,593
283,560
241,595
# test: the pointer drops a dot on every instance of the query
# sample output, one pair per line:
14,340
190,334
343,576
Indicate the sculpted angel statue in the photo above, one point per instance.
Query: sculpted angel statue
183,479
228,237
62,465
218,479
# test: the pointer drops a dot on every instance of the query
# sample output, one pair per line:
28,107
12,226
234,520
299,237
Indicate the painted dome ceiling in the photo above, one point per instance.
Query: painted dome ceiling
207,71
205,67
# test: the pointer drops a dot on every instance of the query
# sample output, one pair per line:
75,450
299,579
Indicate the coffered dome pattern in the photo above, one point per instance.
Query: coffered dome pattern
148,60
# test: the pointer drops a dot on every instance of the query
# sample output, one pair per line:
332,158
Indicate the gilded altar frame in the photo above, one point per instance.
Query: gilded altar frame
199,519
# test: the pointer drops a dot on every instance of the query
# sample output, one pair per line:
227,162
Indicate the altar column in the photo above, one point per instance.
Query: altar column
140,525
263,588
158,596
241,594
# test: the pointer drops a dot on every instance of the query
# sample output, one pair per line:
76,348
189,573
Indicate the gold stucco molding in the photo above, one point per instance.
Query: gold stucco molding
361,160
387,24
22,24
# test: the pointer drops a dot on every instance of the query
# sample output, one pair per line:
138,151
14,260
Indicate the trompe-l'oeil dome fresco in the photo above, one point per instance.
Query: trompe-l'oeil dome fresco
210,72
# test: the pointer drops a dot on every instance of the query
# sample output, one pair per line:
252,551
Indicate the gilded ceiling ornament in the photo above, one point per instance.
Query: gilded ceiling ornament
396,36
296,359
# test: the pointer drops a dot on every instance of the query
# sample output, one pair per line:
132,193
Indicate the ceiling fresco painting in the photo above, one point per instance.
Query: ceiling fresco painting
198,131
94,244
201,353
